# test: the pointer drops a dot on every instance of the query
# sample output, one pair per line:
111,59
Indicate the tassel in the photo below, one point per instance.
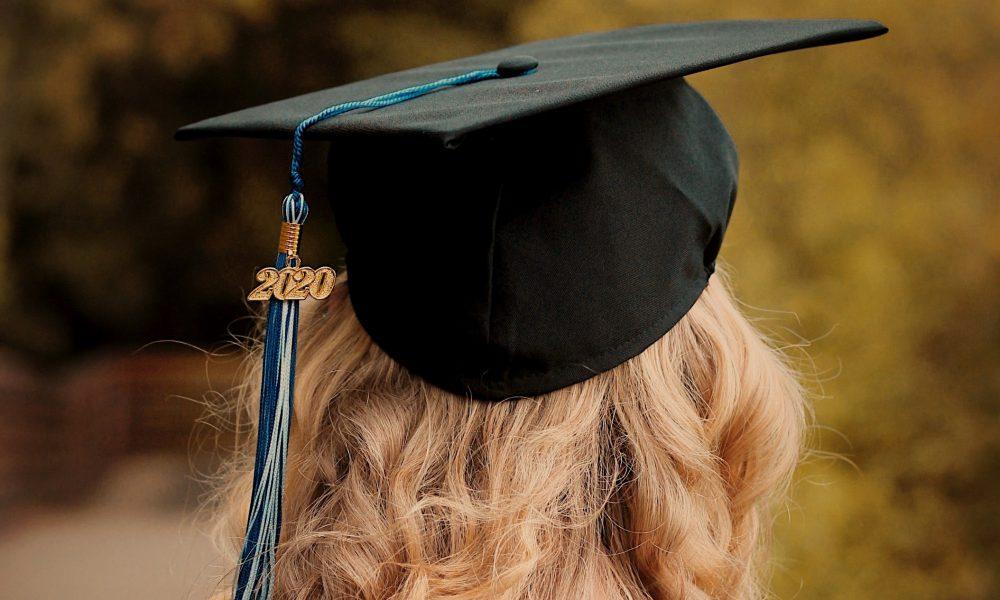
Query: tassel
254,580
283,287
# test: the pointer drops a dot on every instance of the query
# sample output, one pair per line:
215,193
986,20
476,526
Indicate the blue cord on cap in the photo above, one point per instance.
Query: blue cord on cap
255,578
513,67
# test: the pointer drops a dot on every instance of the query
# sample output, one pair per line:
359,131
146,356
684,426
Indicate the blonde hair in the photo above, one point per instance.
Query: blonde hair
651,480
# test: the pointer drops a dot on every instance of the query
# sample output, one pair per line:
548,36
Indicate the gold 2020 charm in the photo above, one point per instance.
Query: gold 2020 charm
293,283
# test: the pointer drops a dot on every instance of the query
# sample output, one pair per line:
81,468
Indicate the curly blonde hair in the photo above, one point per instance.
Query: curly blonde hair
653,480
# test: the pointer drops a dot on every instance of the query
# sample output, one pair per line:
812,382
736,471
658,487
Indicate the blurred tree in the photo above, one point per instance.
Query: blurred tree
867,208
6,108
120,235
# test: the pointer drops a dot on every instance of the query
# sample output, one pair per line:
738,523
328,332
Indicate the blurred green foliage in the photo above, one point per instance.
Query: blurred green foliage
867,218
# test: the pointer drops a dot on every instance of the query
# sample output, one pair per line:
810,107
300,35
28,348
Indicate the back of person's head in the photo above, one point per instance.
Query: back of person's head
651,480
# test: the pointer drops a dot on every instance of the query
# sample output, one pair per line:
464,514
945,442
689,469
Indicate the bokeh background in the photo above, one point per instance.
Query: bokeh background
865,237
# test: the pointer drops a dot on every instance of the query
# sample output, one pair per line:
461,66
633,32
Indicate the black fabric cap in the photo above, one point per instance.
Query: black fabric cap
518,235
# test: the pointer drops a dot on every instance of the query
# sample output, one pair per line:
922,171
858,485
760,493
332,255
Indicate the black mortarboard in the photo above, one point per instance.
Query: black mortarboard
543,224
521,234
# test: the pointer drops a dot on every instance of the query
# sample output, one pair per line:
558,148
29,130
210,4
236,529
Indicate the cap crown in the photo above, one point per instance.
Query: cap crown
536,254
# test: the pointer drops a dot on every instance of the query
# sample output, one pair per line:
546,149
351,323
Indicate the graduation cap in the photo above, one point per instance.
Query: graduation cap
515,222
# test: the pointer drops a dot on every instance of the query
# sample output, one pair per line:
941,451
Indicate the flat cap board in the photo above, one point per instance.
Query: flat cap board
571,69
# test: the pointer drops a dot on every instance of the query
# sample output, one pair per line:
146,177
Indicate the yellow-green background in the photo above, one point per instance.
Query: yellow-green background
866,234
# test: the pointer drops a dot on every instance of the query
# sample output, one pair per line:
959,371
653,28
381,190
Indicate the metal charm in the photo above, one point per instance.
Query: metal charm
294,283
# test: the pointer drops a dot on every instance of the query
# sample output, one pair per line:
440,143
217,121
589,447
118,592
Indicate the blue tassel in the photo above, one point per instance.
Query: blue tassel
255,579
